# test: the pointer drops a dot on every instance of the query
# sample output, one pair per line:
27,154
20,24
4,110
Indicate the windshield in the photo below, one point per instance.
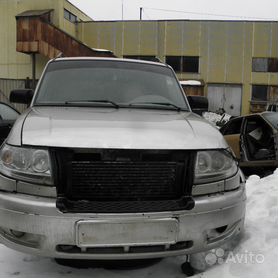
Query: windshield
272,118
110,82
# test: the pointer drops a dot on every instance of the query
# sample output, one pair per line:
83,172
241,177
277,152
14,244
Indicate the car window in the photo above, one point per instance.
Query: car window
7,113
120,82
232,127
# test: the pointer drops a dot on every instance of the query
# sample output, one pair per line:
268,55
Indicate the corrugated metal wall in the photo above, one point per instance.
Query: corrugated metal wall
225,48
6,86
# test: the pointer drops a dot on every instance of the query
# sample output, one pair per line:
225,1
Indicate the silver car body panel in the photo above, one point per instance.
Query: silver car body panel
83,127
46,228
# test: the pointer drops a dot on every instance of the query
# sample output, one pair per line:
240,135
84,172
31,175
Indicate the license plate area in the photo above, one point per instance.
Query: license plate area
104,233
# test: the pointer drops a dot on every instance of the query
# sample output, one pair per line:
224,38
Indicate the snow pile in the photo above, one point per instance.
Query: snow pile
257,253
256,256
214,117
191,83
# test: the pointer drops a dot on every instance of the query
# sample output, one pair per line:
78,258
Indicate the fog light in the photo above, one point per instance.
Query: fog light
216,232
17,234
222,229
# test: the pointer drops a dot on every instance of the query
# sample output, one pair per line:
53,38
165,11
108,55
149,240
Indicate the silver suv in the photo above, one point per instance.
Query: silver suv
109,162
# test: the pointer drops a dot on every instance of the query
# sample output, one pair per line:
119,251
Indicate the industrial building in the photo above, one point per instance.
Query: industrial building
233,63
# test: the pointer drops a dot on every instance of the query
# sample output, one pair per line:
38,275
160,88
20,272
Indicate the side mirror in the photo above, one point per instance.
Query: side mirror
22,96
198,104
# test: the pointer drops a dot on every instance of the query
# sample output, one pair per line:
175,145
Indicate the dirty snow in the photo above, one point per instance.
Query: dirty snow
191,82
256,256
214,117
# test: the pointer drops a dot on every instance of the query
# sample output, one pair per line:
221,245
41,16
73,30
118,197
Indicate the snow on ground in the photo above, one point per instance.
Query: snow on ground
256,256
214,117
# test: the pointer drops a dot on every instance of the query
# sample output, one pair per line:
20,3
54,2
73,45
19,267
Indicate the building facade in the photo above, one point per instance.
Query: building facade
15,67
236,62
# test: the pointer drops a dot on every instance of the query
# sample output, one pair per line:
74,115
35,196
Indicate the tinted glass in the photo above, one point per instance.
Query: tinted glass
120,82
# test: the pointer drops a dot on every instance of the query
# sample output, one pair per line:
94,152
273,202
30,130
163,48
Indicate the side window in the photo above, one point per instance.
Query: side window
7,113
233,127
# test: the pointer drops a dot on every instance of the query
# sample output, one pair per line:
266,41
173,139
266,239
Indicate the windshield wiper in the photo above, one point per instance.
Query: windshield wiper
102,101
157,103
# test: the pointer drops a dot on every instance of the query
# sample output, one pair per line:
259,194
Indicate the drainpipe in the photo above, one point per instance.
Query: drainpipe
33,70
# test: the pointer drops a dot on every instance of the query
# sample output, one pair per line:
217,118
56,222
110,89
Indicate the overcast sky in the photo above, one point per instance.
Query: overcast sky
182,9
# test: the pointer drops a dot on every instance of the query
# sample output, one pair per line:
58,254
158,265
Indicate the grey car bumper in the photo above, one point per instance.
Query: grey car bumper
34,225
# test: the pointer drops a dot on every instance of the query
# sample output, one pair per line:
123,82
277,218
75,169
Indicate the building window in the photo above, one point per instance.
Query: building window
174,62
265,65
259,92
273,64
188,64
70,16
151,58
262,95
265,93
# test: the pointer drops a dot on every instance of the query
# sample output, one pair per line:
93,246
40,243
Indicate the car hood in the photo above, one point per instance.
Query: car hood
81,127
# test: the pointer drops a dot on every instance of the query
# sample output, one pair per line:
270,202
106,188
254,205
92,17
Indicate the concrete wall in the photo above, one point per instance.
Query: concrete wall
225,48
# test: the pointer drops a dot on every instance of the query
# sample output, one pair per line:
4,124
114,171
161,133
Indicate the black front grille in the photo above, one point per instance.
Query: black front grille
123,180
73,249
86,206
135,180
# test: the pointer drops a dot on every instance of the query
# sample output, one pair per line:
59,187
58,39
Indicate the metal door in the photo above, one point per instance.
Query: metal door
227,97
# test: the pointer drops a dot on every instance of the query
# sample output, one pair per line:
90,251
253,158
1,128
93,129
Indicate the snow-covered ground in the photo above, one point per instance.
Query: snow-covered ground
214,117
256,256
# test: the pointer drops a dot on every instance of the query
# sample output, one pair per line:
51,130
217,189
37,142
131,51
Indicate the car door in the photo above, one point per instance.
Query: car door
258,144
8,115
232,134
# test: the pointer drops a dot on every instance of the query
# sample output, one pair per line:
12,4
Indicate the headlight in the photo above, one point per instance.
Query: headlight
213,166
28,164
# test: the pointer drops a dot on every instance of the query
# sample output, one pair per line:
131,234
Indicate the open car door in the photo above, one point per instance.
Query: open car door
258,143
232,135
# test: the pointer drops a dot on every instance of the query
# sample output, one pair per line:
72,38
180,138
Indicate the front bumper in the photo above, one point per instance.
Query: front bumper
39,228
